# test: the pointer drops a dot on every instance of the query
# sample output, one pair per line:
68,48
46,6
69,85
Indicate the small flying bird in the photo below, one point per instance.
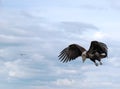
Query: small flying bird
22,54
97,51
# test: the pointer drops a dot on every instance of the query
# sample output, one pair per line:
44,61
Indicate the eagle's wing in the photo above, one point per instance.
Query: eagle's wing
71,52
98,47
104,48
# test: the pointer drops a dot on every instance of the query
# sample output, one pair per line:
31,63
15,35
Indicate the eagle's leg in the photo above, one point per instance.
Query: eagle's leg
99,61
94,62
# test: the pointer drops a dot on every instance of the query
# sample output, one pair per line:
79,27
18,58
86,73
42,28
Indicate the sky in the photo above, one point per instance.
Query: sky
33,32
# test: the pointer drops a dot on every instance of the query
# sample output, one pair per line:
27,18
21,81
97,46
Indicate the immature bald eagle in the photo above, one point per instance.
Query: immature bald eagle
97,51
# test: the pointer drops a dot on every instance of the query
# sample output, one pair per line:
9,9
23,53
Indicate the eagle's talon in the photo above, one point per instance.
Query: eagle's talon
96,64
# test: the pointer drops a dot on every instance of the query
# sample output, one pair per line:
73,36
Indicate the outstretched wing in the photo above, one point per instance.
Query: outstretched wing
104,48
99,47
71,52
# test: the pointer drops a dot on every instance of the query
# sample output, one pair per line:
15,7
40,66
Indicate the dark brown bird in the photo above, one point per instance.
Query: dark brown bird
97,51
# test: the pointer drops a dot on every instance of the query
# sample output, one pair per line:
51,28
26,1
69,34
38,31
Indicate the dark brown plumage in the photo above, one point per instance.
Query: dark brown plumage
97,51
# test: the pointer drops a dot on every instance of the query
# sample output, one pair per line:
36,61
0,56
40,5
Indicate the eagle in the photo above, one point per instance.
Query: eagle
97,51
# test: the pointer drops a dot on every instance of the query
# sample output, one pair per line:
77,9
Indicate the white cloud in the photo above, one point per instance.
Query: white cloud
66,71
41,87
99,35
15,70
64,82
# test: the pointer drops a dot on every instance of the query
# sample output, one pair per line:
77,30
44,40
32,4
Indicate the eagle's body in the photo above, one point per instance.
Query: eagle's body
97,51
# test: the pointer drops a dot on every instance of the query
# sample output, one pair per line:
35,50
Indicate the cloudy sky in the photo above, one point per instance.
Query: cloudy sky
33,32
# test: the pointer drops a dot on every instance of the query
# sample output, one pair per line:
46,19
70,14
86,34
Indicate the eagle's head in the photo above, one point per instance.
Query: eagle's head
84,56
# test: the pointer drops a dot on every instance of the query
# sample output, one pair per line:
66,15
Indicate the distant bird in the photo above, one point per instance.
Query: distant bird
97,51
22,54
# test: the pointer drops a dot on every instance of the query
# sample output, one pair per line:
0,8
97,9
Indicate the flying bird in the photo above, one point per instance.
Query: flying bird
96,51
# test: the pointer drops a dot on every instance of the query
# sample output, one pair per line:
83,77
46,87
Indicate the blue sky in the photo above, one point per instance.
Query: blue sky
33,32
